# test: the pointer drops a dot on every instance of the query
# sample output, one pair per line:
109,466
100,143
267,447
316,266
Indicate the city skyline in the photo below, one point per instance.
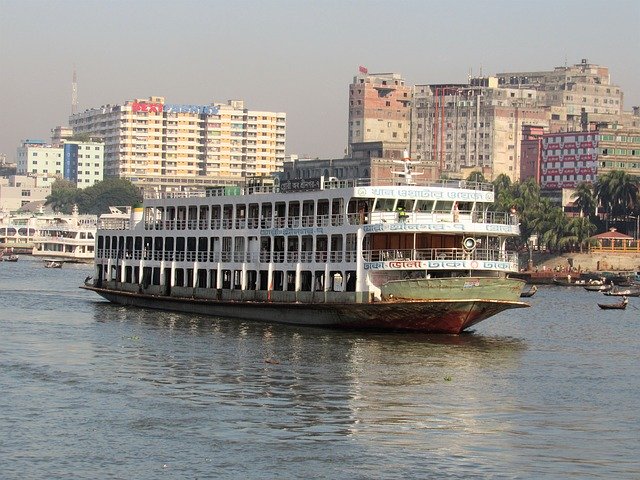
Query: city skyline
288,56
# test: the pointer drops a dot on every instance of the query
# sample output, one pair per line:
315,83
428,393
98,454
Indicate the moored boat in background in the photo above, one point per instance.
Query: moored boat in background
624,292
67,237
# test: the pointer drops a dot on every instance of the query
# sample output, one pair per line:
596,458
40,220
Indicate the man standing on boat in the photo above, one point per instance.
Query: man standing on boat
402,214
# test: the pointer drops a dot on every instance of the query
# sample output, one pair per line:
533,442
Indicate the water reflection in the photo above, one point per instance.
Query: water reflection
306,382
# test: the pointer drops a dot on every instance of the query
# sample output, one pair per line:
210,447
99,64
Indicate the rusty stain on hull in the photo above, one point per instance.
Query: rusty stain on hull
425,316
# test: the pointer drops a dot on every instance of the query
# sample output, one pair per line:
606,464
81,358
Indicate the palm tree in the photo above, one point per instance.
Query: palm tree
477,177
529,191
579,231
585,199
553,228
617,192
504,193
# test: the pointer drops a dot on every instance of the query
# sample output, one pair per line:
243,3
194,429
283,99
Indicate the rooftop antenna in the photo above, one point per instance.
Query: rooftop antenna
406,172
74,92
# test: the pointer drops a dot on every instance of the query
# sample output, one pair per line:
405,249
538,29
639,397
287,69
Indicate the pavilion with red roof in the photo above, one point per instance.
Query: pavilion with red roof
614,240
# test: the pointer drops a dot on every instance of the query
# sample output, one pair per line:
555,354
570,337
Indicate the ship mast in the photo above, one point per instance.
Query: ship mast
407,172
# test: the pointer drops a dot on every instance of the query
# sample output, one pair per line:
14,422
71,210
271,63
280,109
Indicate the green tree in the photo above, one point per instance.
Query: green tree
504,193
477,177
109,193
95,199
578,232
553,228
617,192
585,199
64,195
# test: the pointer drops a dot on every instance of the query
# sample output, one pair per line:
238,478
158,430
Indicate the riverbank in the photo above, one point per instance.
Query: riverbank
585,262
544,267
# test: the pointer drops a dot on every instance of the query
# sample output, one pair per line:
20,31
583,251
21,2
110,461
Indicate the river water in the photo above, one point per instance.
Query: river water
92,390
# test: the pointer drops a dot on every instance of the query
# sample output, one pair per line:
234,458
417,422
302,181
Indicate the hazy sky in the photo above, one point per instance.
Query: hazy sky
295,56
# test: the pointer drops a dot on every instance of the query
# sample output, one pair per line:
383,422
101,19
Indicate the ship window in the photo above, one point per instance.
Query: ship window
384,205
424,205
179,277
444,206
202,279
226,279
278,280
407,205
465,207
306,280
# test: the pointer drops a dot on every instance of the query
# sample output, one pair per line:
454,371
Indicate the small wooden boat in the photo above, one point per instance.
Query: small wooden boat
9,258
529,293
614,306
598,288
626,292
569,282
53,264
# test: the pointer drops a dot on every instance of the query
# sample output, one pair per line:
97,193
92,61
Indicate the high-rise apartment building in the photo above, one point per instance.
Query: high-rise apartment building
569,158
158,145
480,124
531,153
40,161
458,126
379,110
579,90
83,162
80,162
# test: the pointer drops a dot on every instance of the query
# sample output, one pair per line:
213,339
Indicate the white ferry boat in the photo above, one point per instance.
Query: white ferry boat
70,238
17,232
316,252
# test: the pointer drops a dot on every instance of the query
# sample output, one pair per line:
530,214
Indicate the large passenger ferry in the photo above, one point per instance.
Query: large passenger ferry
318,252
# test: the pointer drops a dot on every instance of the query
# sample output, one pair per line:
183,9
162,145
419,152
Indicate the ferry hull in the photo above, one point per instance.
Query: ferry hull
455,288
425,316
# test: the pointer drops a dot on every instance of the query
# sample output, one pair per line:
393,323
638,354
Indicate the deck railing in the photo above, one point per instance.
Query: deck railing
493,255
626,246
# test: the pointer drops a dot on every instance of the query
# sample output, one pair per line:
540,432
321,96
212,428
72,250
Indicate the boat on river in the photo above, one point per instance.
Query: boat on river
605,287
317,252
569,281
624,292
53,264
615,306
67,237
530,292
8,257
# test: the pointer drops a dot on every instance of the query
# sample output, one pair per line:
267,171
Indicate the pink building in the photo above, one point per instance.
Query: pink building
568,159
531,153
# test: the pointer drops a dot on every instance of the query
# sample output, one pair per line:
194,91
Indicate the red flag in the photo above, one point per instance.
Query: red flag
362,69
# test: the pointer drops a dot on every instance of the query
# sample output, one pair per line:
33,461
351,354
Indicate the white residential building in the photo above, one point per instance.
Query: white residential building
163,146
41,161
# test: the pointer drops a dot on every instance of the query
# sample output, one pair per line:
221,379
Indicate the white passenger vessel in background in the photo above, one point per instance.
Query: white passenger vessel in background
69,238
316,252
